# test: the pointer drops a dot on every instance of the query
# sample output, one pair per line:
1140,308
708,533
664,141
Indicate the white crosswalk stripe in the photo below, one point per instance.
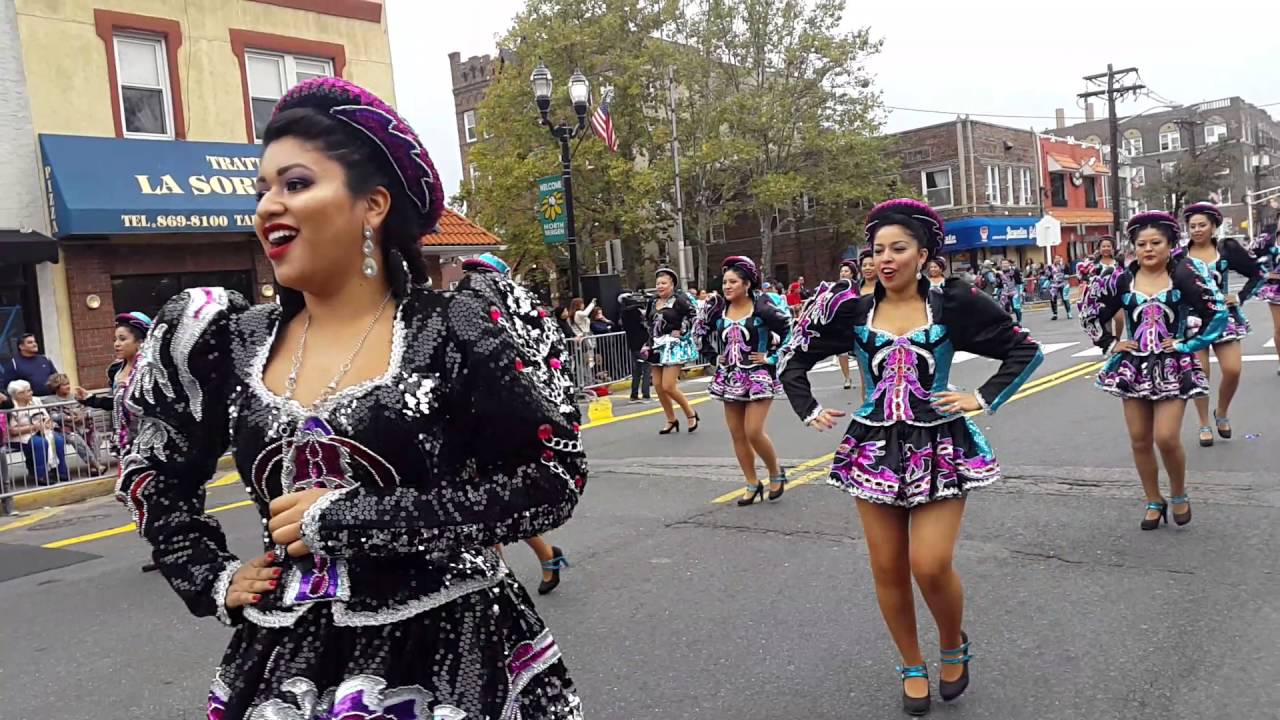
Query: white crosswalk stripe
1270,343
1055,347
1091,352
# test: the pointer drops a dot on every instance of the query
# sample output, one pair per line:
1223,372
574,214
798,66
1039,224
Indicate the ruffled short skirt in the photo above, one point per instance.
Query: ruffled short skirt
1158,376
1269,293
737,384
485,655
908,465
674,351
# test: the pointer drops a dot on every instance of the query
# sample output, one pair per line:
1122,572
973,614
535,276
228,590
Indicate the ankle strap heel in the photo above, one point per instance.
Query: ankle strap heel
952,689
914,705
1181,518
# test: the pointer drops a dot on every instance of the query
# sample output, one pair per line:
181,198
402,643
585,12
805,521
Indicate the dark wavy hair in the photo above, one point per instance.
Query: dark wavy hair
918,233
367,167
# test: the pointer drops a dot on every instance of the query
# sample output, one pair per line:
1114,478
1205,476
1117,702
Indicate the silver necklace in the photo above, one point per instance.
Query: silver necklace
291,384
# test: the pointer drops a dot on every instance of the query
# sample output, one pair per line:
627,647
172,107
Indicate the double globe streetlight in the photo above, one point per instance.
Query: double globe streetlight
579,95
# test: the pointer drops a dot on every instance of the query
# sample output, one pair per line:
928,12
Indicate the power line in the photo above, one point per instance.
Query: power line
1160,100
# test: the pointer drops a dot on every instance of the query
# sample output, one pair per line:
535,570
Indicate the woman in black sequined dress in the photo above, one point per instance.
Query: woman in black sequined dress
389,435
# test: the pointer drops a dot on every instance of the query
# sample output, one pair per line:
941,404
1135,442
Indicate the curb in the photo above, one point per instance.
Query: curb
81,491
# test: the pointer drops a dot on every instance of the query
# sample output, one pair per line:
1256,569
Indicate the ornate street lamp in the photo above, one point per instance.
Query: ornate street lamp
580,96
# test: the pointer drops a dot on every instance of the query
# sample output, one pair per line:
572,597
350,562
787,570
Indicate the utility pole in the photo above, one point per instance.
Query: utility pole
1193,125
675,156
1111,91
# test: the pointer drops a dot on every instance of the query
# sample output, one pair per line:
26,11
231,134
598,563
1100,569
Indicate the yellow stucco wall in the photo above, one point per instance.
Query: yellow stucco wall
66,63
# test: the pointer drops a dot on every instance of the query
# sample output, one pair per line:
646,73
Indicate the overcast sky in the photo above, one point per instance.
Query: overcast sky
985,56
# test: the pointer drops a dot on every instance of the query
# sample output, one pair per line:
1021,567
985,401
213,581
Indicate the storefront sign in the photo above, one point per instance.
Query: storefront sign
107,186
551,210
977,232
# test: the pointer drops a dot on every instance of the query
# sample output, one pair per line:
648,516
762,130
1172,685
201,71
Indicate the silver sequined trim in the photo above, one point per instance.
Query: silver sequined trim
152,437
293,407
352,618
813,415
220,588
982,401
203,305
311,518
544,639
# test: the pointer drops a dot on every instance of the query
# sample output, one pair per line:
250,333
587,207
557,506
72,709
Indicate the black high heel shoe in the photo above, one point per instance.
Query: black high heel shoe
915,706
757,493
1180,518
694,422
782,485
1153,523
672,426
557,563
952,689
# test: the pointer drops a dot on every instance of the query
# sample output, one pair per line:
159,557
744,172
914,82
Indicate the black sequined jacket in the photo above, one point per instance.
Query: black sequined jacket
470,439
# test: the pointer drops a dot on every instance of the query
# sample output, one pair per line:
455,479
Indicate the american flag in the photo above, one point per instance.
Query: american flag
602,122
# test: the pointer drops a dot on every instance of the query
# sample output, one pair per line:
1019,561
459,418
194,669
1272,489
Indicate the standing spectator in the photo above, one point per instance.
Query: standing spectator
795,294
632,314
29,365
31,431
601,325
75,424
581,316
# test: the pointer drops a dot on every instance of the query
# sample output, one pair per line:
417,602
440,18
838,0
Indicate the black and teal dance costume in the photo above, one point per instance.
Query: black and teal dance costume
1234,258
1151,372
1059,289
899,449
737,378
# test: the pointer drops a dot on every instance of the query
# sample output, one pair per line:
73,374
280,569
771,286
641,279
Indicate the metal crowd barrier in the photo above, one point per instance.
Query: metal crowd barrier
55,442
598,360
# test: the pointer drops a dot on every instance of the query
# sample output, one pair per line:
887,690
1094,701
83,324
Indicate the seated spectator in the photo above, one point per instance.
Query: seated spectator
31,430
74,423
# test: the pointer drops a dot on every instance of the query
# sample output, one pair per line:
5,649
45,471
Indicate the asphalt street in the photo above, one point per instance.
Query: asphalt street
678,606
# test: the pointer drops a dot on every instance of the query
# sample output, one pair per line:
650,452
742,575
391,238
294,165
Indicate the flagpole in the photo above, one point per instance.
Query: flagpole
675,155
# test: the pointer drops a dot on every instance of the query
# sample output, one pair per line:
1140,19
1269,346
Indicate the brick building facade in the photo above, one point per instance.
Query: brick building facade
984,180
1151,141
471,78
1076,180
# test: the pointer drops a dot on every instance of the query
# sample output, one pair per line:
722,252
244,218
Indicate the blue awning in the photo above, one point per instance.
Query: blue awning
109,186
979,232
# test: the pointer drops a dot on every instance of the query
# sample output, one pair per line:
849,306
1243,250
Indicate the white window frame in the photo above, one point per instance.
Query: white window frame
808,202
993,184
1026,190
1008,177
288,68
472,170
1214,133
1167,168
162,69
950,187
1170,140
1131,145
469,126
1104,198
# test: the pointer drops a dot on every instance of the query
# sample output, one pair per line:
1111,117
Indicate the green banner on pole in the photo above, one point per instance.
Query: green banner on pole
551,210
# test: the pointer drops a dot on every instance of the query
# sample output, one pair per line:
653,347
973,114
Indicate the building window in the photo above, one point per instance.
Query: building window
1058,189
1167,169
469,125
993,185
1093,140
916,155
808,202
1131,145
1138,178
1215,130
472,172
1170,137
1222,197
142,70
717,234
270,77
1106,191
1024,187
1091,192
149,293
937,187
1008,185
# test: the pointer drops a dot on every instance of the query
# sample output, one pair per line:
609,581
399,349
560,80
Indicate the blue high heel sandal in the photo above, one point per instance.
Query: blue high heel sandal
557,563
952,689
1153,523
1180,518
916,706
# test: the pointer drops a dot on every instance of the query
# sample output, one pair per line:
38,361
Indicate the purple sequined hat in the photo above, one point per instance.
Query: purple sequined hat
929,220
380,123
852,263
1209,210
865,253
1160,220
744,265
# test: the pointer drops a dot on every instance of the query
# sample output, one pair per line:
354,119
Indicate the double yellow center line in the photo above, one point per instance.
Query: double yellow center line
1031,388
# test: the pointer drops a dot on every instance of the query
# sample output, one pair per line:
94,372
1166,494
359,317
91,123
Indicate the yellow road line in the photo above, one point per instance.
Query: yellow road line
31,519
229,479
128,528
1044,383
642,413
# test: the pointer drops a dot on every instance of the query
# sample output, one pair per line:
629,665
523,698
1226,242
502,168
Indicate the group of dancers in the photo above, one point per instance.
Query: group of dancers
394,437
